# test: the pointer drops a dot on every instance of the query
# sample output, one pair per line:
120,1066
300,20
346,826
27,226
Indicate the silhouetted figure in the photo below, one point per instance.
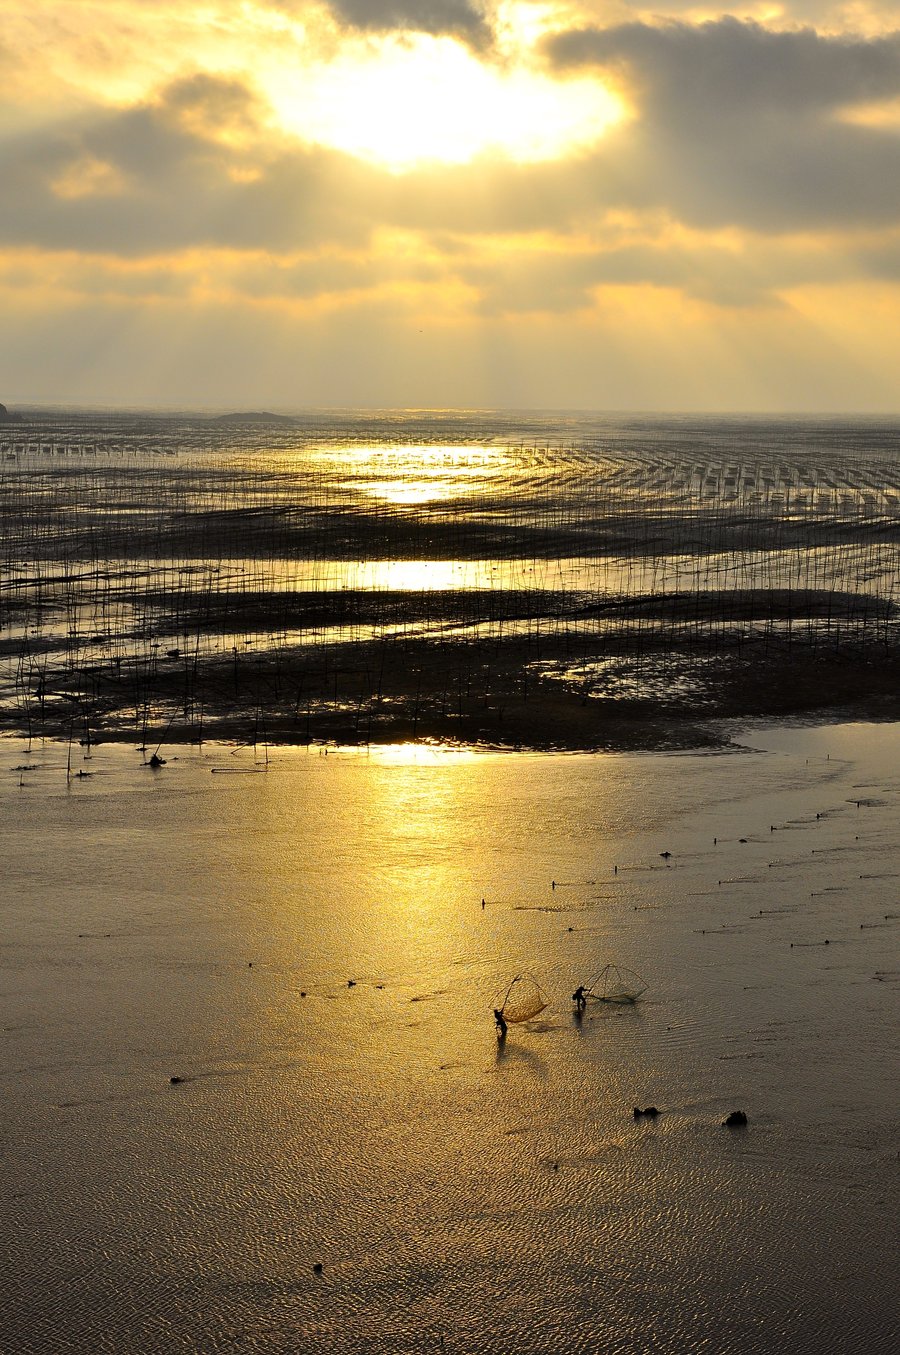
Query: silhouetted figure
501,1024
579,997
156,761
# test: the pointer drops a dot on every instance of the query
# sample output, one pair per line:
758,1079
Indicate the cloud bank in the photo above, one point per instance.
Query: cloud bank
751,195
453,18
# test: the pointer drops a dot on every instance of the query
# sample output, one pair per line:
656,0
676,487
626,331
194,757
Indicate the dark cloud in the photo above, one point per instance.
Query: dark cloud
213,102
175,184
738,68
462,19
737,124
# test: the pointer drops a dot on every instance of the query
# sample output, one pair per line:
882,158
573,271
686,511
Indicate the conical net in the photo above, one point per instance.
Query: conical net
523,999
615,984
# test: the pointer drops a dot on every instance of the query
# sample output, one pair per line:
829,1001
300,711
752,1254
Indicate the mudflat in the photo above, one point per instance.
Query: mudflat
177,580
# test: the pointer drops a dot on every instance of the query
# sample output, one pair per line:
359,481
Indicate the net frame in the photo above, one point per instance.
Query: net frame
615,983
524,999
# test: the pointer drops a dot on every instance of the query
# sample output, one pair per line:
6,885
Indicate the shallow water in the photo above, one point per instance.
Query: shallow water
458,1194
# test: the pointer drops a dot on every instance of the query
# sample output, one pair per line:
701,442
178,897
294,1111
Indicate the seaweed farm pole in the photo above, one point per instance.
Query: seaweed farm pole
418,699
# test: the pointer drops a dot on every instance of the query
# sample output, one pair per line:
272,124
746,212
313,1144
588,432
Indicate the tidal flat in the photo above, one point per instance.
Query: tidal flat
511,581
253,1096
317,733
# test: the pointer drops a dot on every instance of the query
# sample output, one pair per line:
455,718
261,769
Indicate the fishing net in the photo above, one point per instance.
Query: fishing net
615,984
523,1000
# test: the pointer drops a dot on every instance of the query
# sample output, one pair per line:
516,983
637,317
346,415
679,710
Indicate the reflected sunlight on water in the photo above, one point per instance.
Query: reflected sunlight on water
314,950
419,474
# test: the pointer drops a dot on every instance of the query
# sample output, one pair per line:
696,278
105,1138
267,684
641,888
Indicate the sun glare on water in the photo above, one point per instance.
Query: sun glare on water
418,474
431,100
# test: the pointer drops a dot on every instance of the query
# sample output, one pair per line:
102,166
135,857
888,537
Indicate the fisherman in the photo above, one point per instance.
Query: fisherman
579,997
501,1024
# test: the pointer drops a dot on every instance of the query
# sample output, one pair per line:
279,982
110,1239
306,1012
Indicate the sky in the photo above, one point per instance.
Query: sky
579,204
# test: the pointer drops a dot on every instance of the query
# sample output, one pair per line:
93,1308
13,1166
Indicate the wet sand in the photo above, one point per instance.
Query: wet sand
301,944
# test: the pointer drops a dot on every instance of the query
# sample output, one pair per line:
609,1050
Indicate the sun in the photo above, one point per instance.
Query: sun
401,103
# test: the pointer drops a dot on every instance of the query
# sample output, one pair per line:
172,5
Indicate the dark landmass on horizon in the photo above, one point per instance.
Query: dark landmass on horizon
254,417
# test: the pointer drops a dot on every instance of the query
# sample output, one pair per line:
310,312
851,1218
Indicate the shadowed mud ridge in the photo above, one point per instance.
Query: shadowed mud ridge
532,691
190,580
